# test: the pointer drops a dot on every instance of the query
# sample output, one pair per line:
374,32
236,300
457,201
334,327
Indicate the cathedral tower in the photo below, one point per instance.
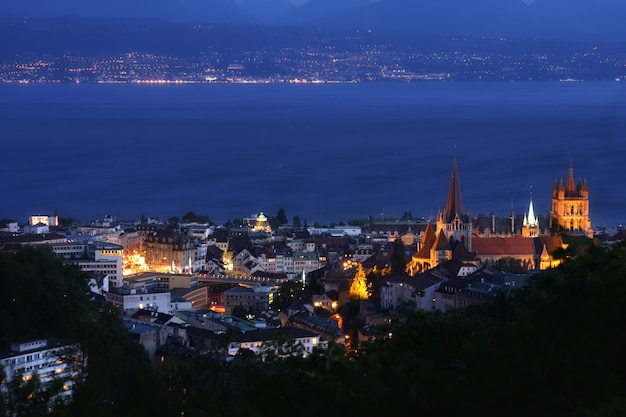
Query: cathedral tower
452,236
454,221
570,206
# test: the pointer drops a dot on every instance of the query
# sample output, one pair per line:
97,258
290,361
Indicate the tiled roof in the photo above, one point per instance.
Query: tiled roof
441,243
419,281
551,243
503,246
258,334
428,240
31,238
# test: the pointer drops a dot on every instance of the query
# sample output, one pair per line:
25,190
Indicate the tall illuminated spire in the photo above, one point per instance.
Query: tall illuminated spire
530,219
530,228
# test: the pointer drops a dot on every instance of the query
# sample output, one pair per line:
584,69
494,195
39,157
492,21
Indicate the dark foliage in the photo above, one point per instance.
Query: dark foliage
398,260
44,297
553,348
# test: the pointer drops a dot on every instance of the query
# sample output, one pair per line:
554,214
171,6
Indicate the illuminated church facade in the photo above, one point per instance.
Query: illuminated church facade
450,238
570,206
453,236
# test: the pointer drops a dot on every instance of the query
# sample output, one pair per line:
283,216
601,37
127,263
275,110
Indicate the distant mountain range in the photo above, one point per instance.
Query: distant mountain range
603,20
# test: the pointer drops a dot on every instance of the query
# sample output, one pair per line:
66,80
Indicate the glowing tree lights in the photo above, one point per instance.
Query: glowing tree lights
360,289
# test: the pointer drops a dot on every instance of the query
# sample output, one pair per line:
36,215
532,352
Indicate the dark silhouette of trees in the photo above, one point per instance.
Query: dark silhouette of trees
398,260
511,265
282,217
296,221
240,311
43,296
47,298
553,347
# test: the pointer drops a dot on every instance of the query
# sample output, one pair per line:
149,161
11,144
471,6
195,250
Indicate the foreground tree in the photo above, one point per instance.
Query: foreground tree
47,298
398,260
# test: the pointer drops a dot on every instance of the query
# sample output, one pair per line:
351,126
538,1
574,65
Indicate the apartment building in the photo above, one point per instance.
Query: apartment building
102,257
49,359
256,299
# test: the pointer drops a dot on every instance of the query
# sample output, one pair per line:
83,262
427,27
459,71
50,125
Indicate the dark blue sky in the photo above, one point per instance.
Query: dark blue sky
579,19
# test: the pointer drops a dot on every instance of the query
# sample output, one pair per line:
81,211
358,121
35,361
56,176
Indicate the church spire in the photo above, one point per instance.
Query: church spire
570,186
530,227
532,219
454,205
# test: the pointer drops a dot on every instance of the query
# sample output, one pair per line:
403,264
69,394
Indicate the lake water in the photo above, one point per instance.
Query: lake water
326,153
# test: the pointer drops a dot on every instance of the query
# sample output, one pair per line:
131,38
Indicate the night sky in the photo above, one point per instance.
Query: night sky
580,19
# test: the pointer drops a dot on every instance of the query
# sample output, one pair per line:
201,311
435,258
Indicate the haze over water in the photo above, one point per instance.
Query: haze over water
325,153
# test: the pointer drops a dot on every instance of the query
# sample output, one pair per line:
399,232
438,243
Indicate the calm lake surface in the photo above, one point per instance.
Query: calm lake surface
326,153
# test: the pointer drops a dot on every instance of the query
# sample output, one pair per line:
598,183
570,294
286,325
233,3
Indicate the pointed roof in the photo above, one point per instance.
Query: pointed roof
570,186
442,242
429,233
531,219
428,240
454,205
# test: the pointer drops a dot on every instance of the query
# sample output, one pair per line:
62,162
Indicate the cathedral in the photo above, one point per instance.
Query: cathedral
570,206
455,237
452,236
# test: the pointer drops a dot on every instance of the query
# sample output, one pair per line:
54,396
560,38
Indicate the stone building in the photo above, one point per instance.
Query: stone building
570,205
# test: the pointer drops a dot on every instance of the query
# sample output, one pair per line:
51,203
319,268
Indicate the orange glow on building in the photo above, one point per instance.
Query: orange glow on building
218,309
134,263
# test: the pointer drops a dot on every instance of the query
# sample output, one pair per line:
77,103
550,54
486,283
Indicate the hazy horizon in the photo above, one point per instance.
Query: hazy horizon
601,20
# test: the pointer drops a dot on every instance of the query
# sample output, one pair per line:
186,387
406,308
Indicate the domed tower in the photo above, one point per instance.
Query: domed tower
262,224
570,206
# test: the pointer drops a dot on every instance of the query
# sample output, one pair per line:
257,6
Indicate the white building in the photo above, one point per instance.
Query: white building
263,341
301,245
37,229
50,359
198,263
43,219
362,252
198,230
102,257
305,261
260,341
418,289
140,300
8,225
150,335
257,298
337,231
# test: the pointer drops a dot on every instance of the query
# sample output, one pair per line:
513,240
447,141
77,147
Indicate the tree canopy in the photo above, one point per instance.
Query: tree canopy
47,298
553,347
398,260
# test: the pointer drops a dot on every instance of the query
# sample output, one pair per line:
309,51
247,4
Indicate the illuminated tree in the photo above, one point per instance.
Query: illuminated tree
360,288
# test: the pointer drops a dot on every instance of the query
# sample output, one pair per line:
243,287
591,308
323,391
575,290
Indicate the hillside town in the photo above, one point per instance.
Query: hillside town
248,55
187,285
